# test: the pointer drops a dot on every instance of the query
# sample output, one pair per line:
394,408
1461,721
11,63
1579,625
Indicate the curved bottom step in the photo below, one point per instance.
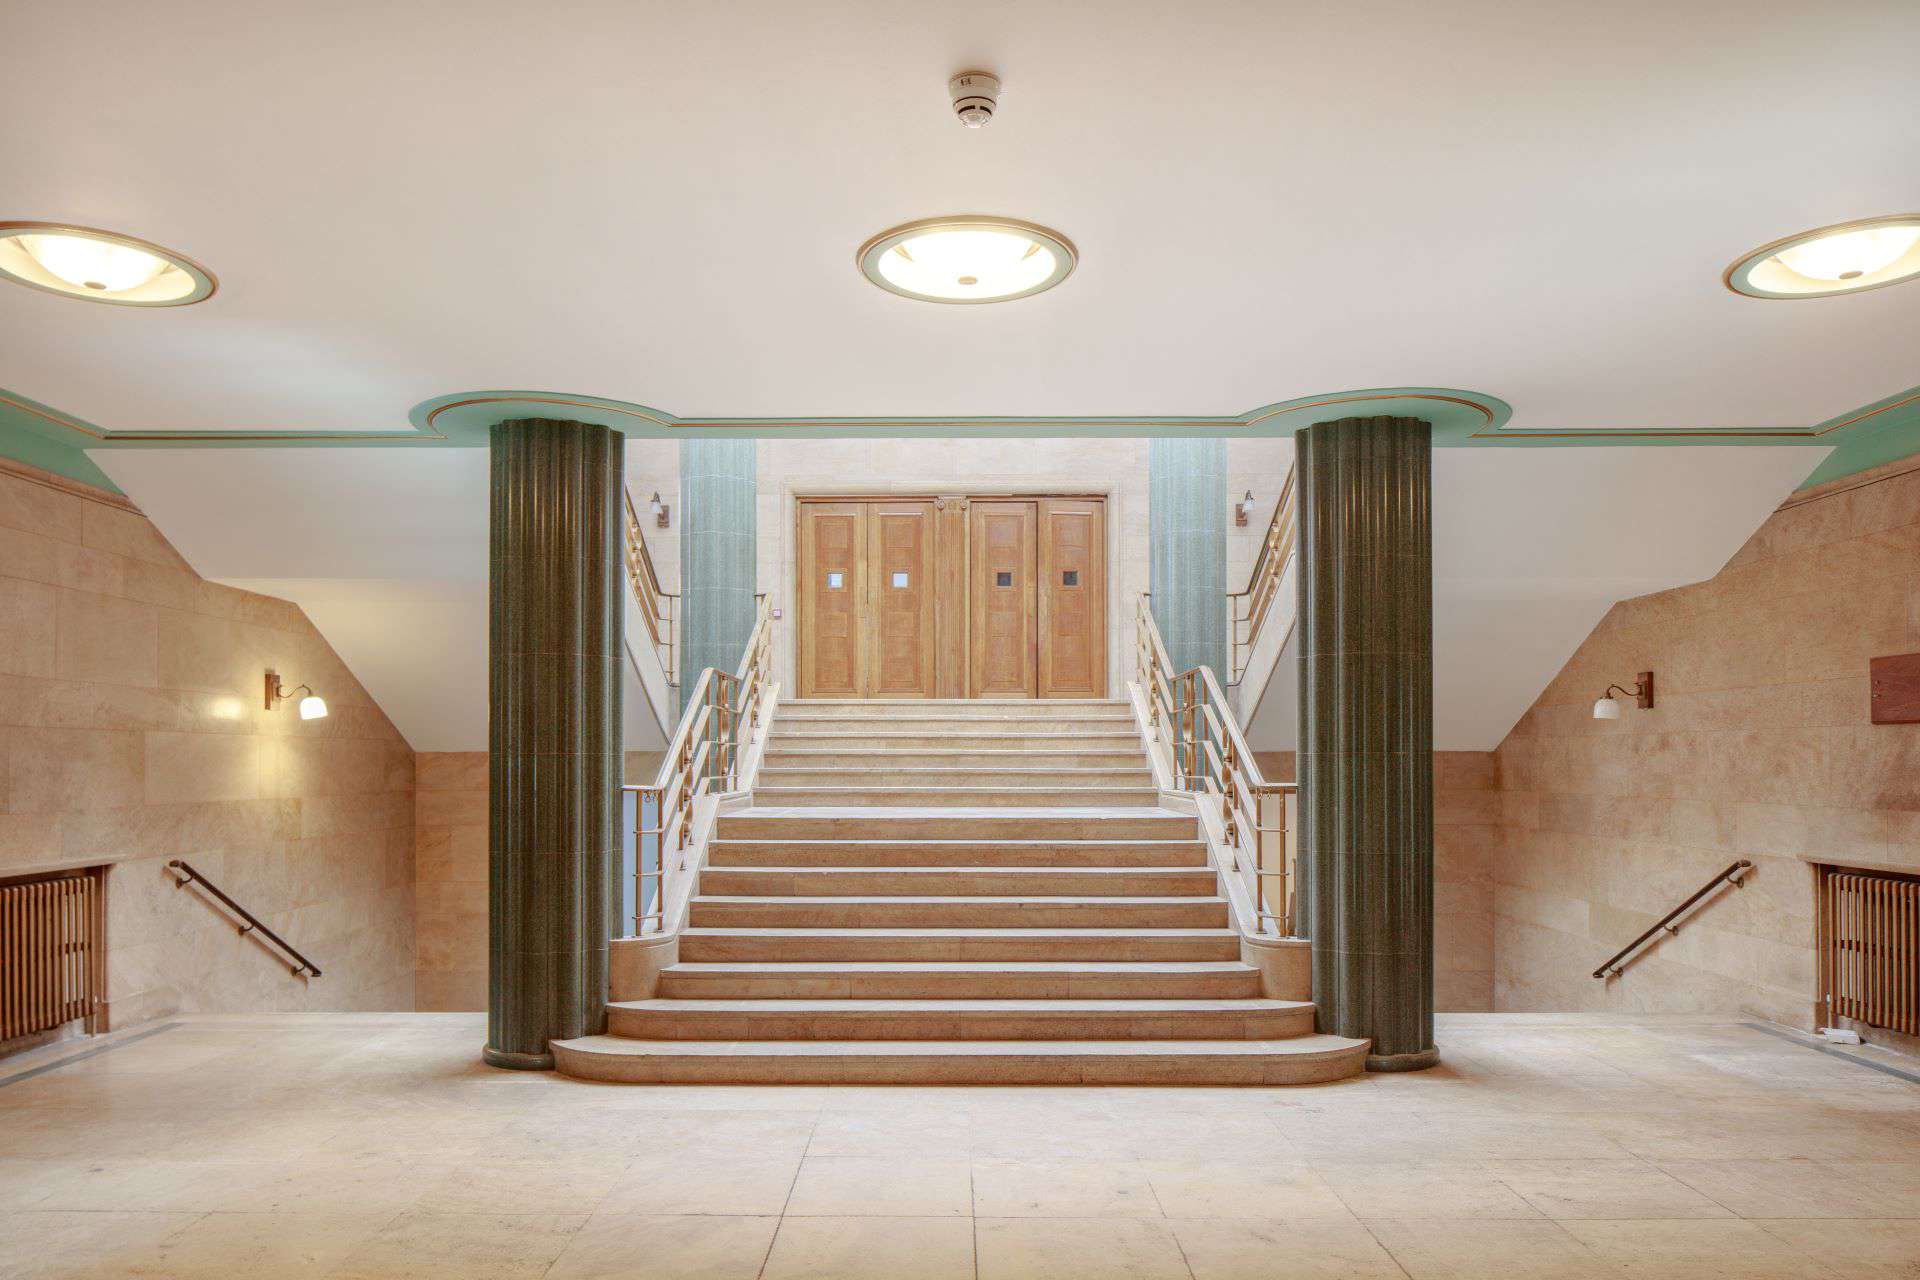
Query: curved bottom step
1310,1059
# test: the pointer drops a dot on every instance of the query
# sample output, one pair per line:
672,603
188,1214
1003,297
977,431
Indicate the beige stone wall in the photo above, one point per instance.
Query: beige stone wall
450,869
1758,747
450,881
1466,814
132,731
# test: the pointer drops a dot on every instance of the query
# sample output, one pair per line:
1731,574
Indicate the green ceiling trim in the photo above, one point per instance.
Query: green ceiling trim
42,436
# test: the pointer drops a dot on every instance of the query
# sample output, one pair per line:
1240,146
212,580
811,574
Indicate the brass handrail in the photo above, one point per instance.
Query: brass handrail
1250,606
252,921
657,607
705,757
1613,965
1188,714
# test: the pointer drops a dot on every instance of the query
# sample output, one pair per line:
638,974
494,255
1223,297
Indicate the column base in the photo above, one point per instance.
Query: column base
516,1061
1404,1061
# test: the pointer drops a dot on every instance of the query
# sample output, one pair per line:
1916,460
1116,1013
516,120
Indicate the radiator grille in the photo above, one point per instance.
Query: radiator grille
1870,948
52,952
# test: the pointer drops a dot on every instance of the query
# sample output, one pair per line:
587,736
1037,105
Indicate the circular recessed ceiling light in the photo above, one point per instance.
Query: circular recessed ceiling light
967,259
100,266
1846,258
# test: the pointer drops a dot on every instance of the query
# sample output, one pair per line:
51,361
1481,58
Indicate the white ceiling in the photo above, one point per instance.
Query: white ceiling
660,202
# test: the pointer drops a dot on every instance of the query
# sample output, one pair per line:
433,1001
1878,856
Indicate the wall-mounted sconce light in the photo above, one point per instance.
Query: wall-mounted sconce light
1242,509
659,510
312,707
1607,707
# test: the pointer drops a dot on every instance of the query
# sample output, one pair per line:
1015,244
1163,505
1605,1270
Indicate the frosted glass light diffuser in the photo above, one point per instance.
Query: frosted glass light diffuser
1847,258
967,259
100,266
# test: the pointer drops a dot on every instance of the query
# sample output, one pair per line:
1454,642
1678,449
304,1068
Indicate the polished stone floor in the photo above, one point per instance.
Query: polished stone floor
378,1146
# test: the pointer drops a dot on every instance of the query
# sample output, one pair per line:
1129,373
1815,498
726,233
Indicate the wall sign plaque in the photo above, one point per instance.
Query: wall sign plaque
1894,689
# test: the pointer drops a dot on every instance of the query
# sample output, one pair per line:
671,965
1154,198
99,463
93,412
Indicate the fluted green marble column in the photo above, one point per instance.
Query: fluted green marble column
1187,550
718,488
1365,639
554,744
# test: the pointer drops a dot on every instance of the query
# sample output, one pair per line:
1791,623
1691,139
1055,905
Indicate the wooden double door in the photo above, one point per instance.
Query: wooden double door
952,597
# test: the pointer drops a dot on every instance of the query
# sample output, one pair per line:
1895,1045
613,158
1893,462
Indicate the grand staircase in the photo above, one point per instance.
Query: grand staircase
956,892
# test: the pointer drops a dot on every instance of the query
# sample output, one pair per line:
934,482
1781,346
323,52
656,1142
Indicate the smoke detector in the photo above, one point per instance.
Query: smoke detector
975,96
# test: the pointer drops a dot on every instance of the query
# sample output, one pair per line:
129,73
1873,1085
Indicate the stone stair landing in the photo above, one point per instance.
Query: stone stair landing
858,925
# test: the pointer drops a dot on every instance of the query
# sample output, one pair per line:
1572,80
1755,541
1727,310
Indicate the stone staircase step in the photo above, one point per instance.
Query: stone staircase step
962,980
1055,724
863,822
698,1019
1306,1059
957,913
998,797
770,945
1051,854
991,778
1002,761
958,881
981,738
957,708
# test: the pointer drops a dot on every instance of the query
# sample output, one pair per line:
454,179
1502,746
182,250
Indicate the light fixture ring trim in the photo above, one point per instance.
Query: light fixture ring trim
1065,256
1759,273
181,283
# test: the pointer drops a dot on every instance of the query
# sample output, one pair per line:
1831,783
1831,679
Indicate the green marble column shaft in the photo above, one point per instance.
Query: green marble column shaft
554,622
719,486
1187,550
1365,639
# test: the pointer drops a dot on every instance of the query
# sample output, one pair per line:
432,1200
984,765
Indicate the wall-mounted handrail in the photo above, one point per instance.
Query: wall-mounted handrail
657,607
1250,607
706,756
252,924
1619,960
1190,719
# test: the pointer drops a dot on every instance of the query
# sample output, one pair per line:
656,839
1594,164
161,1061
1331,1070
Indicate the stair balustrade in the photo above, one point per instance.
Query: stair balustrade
1191,729
710,754
1251,606
657,607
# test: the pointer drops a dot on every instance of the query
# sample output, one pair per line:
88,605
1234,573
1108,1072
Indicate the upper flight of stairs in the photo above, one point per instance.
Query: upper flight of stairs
964,893
955,752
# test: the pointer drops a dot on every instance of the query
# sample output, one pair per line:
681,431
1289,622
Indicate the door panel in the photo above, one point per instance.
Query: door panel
832,599
1073,598
950,593
1001,641
900,567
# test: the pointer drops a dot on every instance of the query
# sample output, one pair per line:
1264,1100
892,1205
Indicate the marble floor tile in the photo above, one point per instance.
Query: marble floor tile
1300,1249
575,1184
1575,1146
462,1246
63,1244
1061,1189
1854,1248
1728,1249
1078,1249
1482,1248
1794,1189
297,1246
1604,1189
737,1186
1390,1190
858,1186
1234,1189
618,1246
886,1133
872,1249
